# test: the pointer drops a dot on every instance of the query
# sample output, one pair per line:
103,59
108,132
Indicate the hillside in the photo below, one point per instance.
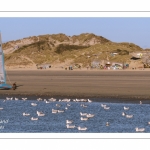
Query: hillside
59,48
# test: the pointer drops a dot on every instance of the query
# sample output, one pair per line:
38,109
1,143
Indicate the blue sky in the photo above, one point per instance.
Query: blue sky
117,29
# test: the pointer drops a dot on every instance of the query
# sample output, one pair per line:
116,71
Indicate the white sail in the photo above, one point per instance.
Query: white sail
2,72
3,84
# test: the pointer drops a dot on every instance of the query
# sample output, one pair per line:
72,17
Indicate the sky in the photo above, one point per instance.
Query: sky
117,29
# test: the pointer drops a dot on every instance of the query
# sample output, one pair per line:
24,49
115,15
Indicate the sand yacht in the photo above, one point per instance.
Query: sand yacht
3,84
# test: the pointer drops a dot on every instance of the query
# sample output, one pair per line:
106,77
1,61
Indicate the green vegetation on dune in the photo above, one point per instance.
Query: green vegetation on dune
65,47
34,47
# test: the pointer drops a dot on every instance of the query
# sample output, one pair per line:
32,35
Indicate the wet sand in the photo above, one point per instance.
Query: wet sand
120,85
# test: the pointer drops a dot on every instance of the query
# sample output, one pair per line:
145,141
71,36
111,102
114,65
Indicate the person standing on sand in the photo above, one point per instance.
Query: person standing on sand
14,86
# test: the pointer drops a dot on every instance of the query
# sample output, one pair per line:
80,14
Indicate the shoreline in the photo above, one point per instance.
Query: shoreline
113,86
104,99
83,69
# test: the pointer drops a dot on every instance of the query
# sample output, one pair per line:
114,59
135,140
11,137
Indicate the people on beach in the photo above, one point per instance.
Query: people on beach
14,86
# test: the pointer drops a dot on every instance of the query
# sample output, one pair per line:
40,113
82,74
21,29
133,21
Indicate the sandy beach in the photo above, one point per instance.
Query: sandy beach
79,84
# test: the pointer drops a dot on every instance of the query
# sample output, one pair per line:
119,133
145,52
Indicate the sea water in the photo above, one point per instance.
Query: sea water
13,121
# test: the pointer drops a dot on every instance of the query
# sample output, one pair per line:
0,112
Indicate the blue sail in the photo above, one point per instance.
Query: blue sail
3,84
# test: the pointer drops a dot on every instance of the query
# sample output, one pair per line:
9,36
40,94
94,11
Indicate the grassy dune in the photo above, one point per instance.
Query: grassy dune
83,48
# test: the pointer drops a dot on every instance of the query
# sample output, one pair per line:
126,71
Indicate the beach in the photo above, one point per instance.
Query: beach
109,84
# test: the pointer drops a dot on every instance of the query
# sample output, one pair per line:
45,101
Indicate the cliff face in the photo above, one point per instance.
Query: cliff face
59,48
